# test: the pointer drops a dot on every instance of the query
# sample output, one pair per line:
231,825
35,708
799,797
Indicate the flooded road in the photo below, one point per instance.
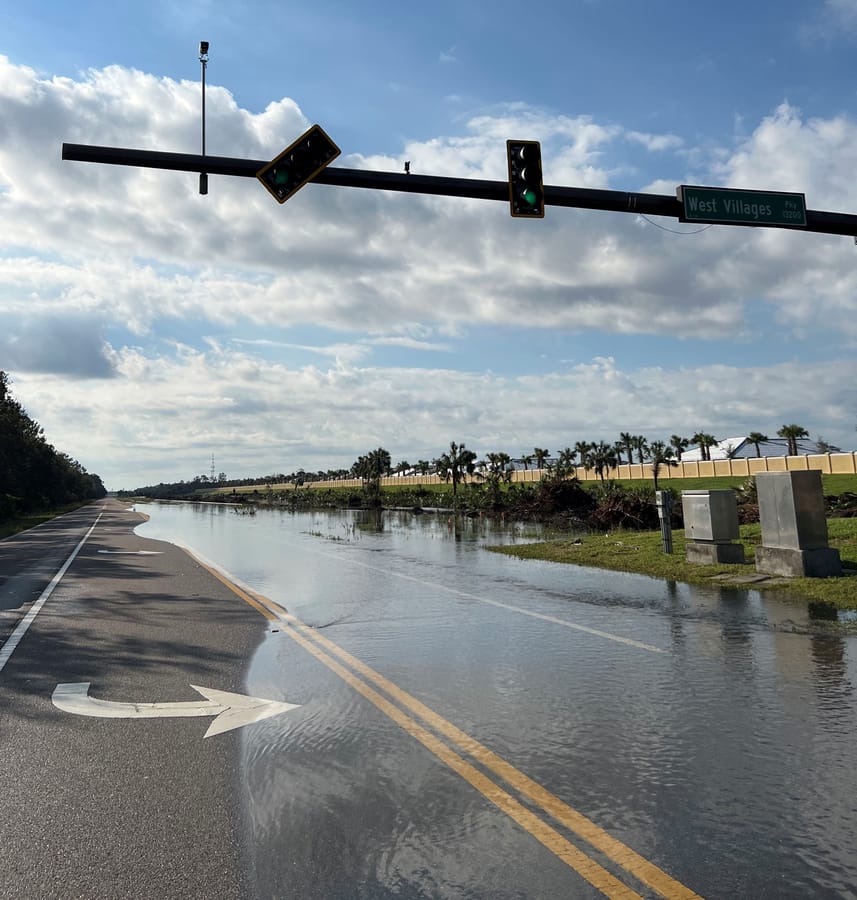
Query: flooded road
681,740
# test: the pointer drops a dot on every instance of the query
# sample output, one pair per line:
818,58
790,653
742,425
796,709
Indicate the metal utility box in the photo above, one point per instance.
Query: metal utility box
794,526
710,515
791,510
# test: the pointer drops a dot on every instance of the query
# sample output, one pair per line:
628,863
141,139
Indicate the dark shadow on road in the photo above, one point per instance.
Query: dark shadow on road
148,626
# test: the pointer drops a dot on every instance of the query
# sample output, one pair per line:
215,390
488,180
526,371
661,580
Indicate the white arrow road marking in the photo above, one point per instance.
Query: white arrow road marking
133,552
231,710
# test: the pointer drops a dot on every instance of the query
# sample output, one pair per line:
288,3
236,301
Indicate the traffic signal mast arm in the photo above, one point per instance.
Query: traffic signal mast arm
581,198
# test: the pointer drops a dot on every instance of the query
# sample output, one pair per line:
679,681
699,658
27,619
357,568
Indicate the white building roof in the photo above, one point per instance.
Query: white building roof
741,448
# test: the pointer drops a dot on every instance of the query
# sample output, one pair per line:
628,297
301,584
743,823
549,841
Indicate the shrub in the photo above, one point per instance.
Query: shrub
623,507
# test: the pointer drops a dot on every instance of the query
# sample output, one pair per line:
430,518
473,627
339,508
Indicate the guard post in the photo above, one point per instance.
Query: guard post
664,502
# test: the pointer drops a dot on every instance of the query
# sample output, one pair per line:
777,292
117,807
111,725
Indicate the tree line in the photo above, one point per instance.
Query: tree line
34,475
458,462
598,456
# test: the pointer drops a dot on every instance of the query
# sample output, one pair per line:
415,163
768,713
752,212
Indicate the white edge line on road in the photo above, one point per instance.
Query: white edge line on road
8,648
565,623
619,639
604,634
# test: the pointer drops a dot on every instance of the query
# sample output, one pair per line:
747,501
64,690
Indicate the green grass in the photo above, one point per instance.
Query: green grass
22,523
642,552
832,485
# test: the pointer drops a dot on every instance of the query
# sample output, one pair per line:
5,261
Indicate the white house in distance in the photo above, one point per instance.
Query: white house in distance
741,448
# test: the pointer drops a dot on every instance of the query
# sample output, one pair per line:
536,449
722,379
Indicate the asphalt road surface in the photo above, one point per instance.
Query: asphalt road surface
114,786
92,807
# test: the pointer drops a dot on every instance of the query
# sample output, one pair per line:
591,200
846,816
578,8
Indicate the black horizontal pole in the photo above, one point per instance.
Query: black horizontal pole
581,198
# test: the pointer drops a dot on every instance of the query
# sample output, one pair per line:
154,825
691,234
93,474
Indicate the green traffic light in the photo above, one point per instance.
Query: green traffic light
526,191
298,164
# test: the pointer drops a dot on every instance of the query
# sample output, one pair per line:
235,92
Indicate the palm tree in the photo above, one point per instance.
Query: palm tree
626,442
756,438
679,445
498,463
641,445
791,433
379,464
359,470
661,455
526,461
582,450
540,455
706,442
602,457
823,446
697,439
370,469
565,462
498,471
455,465
709,441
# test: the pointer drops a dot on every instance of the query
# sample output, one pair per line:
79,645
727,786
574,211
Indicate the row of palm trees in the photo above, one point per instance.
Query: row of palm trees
591,454
455,464
792,434
599,456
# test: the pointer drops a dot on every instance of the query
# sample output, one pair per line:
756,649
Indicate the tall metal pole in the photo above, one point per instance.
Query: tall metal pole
203,58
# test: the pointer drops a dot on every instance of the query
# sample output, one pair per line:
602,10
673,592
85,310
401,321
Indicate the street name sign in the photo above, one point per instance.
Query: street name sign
728,206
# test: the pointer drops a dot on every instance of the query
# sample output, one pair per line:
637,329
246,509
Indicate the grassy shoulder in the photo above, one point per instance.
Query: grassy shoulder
21,523
831,485
641,552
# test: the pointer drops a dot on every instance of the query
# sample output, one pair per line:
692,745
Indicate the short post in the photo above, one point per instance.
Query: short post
664,502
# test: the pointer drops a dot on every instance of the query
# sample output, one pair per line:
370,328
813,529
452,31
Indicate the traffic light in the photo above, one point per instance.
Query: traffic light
298,164
526,191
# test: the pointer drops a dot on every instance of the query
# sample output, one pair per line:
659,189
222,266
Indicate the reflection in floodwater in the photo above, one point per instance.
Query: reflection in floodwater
710,729
830,667
371,520
822,611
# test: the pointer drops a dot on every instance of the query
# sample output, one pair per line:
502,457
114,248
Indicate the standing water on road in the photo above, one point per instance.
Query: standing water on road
711,730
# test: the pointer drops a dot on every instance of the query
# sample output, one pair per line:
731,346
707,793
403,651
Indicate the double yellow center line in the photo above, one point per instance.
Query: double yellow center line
361,677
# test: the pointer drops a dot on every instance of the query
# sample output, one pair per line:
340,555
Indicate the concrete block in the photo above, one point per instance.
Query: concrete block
819,562
705,554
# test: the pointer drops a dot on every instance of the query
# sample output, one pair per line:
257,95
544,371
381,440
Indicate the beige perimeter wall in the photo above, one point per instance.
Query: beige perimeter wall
828,463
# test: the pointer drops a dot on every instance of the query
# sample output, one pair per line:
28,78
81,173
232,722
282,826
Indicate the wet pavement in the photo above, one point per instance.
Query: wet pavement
709,730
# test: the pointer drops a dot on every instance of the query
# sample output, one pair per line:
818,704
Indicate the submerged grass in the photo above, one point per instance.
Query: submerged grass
642,552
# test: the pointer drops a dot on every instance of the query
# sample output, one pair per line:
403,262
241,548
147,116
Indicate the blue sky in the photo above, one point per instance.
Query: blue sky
147,327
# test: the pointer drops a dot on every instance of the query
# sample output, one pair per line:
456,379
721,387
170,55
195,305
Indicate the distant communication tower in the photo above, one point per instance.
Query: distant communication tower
212,467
